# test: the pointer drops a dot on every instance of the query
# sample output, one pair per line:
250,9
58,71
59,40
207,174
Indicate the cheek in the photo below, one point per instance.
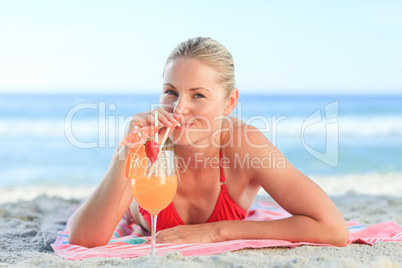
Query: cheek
209,117
166,103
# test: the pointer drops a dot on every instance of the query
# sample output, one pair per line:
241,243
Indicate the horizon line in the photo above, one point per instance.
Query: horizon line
274,93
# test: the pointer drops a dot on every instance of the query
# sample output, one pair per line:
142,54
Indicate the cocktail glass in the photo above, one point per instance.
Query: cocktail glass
153,185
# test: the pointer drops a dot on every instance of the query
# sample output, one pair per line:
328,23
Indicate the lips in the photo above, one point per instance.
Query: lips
185,125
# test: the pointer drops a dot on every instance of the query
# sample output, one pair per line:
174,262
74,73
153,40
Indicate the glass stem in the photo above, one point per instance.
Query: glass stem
152,253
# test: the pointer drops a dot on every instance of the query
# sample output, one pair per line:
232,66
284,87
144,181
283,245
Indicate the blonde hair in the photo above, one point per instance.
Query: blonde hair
210,52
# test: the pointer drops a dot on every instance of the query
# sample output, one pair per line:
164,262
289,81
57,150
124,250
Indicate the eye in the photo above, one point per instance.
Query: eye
199,95
170,92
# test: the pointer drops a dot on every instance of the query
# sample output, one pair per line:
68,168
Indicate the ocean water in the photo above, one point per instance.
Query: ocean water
69,139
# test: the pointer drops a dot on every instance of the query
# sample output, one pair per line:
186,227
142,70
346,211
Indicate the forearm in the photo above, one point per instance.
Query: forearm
294,229
94,222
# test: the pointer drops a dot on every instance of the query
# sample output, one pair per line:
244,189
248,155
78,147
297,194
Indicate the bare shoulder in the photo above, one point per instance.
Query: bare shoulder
244,145
237,136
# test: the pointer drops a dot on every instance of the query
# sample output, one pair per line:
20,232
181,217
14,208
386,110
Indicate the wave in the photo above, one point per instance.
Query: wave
362,184
41,128
378,184
346,126
290,127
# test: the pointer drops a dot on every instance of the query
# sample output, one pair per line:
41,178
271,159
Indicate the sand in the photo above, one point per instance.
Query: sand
30,218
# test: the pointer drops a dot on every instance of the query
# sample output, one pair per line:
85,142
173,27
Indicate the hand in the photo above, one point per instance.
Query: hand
190,234
147,119
165,118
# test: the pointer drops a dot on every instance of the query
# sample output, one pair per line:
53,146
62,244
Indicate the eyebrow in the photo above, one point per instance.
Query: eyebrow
191,89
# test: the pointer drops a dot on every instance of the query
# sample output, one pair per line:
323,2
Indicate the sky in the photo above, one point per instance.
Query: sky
287,47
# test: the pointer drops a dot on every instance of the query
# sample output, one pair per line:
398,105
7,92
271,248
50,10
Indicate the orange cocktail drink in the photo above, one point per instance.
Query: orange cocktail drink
154,193
153,189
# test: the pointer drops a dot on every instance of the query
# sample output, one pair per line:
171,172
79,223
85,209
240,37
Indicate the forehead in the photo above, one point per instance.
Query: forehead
185,72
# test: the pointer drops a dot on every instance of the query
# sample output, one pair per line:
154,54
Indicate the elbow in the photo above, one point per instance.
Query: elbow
84,242
342,239
75,241
338,235
81,236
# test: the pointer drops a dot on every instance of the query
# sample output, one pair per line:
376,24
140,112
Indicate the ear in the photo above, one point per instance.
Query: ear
231,102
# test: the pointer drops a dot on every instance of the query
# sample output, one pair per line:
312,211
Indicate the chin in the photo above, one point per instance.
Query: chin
180,137
185,137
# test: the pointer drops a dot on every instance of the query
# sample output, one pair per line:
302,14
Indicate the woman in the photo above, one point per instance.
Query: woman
220,169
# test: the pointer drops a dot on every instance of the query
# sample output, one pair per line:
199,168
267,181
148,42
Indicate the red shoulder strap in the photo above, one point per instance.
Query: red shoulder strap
222,178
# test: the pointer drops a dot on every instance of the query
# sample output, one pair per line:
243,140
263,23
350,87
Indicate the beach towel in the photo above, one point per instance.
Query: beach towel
127,239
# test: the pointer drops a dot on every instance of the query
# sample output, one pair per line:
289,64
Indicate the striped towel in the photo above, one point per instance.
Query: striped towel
127,239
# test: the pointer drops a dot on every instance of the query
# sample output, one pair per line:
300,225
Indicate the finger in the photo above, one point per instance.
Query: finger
177,116
135,121
163,119
171,130
138,121
162,132
172,118
165,236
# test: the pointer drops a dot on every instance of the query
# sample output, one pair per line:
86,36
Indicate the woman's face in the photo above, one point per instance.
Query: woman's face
191,89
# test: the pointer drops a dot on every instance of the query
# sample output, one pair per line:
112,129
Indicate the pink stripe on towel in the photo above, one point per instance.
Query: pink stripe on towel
127,239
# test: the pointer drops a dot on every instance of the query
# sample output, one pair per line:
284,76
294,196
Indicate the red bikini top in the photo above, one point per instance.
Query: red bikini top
225,209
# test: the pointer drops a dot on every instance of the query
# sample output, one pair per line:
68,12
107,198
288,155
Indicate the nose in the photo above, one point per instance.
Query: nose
181,106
